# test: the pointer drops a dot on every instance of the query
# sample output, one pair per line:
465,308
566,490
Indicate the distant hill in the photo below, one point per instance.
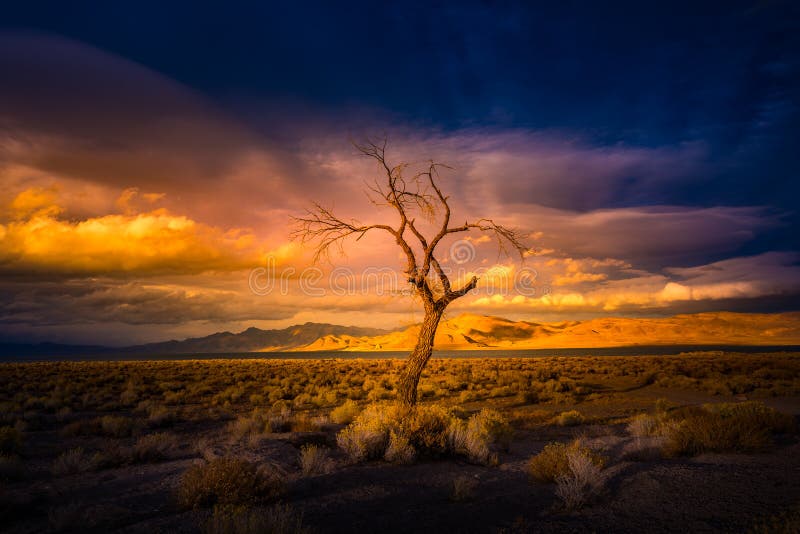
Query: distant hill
257,340
468,332
250,340
471,332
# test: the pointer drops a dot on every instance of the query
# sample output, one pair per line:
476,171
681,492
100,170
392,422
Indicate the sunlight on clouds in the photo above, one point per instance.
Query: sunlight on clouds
155,241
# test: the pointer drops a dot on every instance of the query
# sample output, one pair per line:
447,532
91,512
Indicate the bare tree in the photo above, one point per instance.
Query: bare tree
419,193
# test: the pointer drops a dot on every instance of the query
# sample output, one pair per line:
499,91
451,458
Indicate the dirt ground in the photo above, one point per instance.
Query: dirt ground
706,493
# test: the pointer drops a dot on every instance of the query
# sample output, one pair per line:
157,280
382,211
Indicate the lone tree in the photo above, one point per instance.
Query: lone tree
408,195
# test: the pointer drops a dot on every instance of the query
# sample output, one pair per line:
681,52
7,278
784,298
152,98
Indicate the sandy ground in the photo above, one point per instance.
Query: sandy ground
709,493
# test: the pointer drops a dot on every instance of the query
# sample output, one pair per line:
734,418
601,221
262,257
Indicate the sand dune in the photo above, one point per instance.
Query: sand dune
469,331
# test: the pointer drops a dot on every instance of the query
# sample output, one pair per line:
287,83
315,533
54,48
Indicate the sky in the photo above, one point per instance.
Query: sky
152,156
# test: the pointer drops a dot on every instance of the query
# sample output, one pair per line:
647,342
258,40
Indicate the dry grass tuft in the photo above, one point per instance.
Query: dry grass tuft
582,482
154,447
740,427
315,460
553,461
570,418
227,481
277,519
74,461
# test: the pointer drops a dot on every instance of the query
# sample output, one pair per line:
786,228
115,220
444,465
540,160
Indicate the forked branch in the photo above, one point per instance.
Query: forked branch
418,194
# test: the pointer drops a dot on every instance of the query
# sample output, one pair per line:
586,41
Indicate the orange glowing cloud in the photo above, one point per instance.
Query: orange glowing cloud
37,239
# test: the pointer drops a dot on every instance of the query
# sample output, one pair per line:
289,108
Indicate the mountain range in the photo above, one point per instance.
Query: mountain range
472,332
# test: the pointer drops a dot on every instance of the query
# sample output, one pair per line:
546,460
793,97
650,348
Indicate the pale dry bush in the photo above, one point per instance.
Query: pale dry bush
643,425
553,461
476,437
583,482
367,437
315,460
400,434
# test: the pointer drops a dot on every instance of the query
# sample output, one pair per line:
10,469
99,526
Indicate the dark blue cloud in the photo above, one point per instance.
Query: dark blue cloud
724,74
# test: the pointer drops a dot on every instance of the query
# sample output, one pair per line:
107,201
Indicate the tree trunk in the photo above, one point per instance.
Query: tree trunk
409,377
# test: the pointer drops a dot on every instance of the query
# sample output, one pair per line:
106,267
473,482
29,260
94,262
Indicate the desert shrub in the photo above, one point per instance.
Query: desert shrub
227,481
399,450
81,428
345,413
154,447
160,415
528,396
476,437
738,427
553,461
463,489
644,448
400,434
277,519
425,428
116,426
256,399
257,423
314,460
74,461
10,440
305,423
570,418
643,425
367,437
583,480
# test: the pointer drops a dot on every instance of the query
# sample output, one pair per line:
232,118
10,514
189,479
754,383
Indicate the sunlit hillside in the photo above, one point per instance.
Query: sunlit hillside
468,332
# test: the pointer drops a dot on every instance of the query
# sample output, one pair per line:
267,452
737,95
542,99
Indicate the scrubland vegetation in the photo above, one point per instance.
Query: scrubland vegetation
245,445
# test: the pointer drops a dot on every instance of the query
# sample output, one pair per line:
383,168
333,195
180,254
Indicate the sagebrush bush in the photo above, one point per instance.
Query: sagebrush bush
739,427
116,426
582,481
643,425
399,451
314,460
400,434
553,460
425,428
570,418
154,447
345,413
159,415
74,461
476,437
227,481
367,437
